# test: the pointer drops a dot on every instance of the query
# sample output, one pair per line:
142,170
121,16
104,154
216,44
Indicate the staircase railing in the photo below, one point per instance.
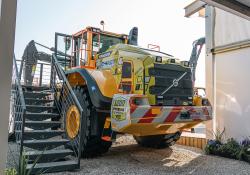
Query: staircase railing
18,111
64,99
40,75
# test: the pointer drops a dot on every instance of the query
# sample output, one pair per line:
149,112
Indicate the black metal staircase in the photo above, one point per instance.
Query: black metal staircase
39,123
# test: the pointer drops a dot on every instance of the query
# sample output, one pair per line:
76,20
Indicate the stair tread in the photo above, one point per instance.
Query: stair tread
38,92
44,141
40,125
47,152
42,131
43,144
36,87
34,116
52,164
40,122
34,113
39,99
40,106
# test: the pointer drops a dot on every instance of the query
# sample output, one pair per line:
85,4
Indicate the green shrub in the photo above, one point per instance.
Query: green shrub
245,150
212,147
246,155
231,149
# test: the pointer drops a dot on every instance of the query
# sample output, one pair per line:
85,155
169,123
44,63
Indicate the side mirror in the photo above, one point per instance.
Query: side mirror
67,41
133,36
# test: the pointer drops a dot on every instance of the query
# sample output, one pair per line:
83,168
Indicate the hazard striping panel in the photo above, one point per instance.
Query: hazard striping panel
126,113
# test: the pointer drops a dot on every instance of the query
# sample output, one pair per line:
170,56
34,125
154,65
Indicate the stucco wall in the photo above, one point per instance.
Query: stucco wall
233,92
230,28
228,73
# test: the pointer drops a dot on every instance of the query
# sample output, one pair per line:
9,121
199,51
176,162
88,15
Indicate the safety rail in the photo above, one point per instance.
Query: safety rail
40,72
64,99
18,110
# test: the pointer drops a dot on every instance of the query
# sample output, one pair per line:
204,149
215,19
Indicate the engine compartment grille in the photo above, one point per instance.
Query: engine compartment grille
176,80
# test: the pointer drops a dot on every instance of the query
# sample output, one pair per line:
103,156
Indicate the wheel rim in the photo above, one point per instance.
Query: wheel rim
72,121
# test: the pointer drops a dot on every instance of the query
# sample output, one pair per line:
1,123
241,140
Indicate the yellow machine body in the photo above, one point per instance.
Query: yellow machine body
111,69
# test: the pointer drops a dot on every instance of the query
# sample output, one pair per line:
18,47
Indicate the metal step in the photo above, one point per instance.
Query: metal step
33,101
39,125
40,134
35,88
48,155
44,144
39,108
34,94
40,116
50,167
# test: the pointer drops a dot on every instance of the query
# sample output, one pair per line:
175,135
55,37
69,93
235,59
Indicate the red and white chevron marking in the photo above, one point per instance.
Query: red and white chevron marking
169,114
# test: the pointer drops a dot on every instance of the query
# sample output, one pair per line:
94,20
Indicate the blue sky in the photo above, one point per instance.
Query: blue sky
160,22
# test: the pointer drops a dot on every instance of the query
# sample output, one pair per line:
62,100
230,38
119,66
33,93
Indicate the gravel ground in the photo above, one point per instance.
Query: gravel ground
126,157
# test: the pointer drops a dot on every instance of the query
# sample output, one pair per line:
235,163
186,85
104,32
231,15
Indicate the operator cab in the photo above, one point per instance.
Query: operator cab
89,42
81,48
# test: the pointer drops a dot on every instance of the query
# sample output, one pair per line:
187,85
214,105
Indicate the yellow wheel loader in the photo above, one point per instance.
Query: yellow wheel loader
124,88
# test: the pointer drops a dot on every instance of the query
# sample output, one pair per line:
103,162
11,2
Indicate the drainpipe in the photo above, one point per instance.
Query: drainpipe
210,66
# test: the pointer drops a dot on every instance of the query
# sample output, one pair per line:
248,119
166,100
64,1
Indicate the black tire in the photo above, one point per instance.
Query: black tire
157,141
92,145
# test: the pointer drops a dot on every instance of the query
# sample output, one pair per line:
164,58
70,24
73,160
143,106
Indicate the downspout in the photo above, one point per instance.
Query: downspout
211,65
214,70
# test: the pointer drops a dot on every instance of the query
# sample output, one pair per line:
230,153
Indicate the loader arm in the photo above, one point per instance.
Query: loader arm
197,47
31,56
29,61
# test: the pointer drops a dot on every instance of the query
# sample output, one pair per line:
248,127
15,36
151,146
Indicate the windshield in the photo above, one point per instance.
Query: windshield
105,42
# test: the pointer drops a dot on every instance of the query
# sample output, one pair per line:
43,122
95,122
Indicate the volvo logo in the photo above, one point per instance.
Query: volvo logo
175,82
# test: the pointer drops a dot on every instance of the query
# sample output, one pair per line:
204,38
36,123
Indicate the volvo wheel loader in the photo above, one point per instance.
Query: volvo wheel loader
124,88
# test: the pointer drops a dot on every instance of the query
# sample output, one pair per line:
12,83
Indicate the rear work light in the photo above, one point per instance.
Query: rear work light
158,59
185,63
96,30
172,60
160,100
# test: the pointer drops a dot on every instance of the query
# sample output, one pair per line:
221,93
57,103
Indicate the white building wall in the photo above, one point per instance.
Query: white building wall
228,73
230,28
233,93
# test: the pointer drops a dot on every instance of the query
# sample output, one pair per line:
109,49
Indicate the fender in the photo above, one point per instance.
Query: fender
100,83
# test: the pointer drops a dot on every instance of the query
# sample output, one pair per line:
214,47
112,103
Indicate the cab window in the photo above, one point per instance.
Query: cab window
126,70
105,42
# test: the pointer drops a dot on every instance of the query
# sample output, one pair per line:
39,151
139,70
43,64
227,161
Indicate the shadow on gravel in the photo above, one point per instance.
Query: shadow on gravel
141,155
134,148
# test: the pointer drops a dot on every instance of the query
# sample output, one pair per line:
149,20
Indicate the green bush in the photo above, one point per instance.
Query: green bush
212,147
246,155
245,150
231,149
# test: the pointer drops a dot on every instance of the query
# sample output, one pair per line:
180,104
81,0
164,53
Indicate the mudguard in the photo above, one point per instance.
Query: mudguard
94,80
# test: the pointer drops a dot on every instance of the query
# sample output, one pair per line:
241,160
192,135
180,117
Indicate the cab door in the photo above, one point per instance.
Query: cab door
126,84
